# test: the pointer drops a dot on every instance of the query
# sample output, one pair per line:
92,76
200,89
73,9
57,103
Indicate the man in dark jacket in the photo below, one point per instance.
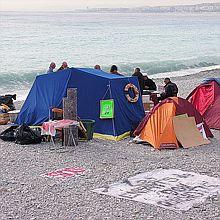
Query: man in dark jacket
171,89
137,72
149,84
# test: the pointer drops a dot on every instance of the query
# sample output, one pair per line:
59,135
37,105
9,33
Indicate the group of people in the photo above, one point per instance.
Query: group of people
144,82
53,66
113,70
170,88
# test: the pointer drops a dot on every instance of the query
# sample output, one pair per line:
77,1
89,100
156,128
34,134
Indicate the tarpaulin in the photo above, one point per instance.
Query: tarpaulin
92,87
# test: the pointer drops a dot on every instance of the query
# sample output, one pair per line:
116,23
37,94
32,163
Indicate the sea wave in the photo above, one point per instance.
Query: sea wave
168,66
171,68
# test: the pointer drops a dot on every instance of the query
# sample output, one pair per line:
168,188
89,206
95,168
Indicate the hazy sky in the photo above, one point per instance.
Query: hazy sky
6,5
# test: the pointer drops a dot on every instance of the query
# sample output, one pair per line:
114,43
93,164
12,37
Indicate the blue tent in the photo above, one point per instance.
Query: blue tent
92,86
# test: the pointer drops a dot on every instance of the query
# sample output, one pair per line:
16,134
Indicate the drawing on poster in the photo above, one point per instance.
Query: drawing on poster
167,188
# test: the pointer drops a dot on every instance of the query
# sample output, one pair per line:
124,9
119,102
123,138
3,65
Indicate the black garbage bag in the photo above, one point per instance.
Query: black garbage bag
25,135
9,134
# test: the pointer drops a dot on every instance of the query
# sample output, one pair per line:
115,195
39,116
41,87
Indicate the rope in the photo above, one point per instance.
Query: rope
106,91
113,122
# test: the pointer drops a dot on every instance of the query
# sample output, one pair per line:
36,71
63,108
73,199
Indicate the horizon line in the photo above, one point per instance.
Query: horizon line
87,7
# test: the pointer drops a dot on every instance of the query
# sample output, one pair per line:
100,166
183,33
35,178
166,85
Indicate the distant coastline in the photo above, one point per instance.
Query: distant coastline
198,8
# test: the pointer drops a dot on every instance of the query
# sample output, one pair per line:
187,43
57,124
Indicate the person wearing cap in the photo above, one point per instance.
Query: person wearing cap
149,84
137,72
63,66
51,67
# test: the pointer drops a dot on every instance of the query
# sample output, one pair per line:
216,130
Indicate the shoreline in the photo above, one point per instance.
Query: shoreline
186,72
190,81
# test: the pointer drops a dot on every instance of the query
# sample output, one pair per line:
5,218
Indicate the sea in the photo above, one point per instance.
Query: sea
160,44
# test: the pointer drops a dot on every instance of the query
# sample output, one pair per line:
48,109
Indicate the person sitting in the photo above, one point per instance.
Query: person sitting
51,67
63,66
114,70
97,67
149,84
171,89
137,72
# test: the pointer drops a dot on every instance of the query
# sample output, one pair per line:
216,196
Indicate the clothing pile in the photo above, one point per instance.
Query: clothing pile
6,105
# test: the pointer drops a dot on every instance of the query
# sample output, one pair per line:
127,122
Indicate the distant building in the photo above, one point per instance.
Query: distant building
205,7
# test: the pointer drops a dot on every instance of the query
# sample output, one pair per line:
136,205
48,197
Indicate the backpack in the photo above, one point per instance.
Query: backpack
25,135
9,134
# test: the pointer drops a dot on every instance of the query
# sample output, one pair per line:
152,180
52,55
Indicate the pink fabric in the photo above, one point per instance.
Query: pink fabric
206,99
49,128
203,97
212,115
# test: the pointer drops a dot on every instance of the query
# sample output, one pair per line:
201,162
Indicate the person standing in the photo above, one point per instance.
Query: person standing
51,67
137,72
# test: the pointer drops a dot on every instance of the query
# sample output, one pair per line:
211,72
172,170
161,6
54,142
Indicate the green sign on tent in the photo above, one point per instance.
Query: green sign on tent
107,109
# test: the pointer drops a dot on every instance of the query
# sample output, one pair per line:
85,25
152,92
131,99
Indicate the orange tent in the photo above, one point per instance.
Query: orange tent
157,127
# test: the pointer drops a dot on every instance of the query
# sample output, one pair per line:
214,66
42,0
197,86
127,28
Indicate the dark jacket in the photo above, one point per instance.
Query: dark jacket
150,84
171,90
140,80
62,68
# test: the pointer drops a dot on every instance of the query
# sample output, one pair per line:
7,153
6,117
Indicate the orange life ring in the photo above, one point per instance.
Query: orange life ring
134,89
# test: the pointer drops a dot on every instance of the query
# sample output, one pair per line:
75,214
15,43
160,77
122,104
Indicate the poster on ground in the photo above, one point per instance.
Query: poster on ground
168,188
65,173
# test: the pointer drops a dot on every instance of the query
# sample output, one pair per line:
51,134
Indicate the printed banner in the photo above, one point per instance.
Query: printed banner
170,189
107,109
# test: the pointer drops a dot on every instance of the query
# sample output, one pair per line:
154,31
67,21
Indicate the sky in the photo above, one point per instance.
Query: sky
51,5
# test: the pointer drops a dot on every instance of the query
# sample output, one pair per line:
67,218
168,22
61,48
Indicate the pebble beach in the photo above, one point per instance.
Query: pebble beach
27,194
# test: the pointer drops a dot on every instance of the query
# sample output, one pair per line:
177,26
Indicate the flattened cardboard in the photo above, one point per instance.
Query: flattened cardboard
187,133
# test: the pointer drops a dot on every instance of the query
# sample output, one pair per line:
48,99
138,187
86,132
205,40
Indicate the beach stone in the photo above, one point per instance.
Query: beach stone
73,199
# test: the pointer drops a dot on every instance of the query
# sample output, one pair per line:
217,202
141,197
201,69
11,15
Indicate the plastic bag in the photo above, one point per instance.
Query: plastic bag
9,134
25,135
